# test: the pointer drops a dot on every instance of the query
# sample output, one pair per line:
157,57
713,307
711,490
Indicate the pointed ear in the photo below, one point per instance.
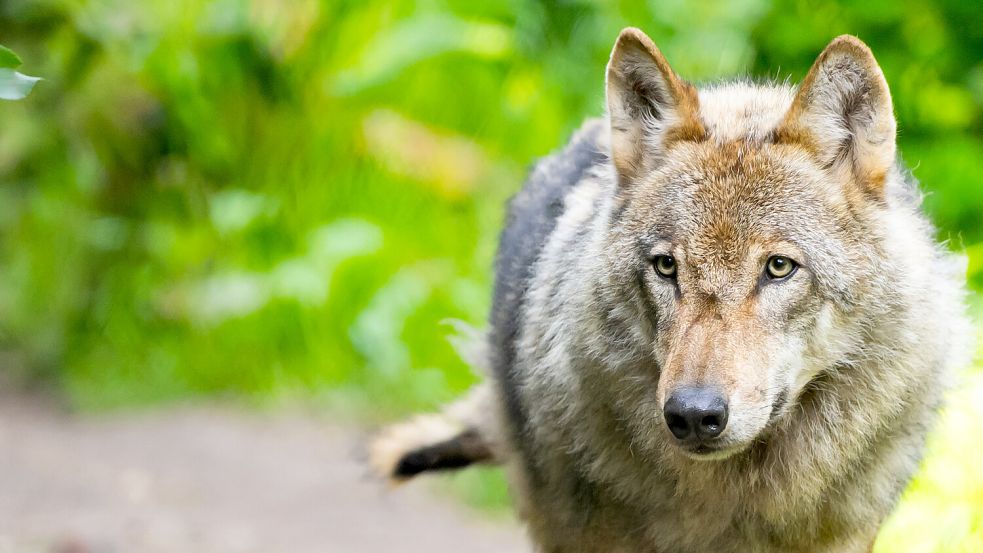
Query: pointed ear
843,114
648,105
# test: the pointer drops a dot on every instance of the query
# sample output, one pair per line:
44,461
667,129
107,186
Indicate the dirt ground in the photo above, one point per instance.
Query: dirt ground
212,480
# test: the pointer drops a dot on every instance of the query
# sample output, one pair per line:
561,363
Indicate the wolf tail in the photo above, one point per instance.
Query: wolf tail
464,433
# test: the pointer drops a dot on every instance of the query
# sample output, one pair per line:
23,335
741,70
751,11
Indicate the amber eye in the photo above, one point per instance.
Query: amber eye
780,267
665,265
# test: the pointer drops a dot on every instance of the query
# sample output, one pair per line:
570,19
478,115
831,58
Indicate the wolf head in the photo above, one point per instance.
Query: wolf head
751,221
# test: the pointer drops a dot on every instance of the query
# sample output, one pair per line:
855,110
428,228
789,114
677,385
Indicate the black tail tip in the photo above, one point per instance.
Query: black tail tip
458,452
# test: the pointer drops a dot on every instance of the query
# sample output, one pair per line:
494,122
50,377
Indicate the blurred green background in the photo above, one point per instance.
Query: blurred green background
285,201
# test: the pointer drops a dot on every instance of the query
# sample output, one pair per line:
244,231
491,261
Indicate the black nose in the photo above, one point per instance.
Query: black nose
696,412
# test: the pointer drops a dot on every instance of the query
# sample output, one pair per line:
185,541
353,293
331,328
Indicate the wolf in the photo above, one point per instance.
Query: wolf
721,322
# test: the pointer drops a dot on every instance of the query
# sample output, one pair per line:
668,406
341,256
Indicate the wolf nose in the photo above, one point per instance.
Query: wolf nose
696,412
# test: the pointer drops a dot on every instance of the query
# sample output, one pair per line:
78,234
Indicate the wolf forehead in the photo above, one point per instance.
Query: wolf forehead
734,194
736,163
743,111
735,191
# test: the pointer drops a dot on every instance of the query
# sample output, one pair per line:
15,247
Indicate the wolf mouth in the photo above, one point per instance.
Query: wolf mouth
708,452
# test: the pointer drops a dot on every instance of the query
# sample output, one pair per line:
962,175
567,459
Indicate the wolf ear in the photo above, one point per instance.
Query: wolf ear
843,114
648,104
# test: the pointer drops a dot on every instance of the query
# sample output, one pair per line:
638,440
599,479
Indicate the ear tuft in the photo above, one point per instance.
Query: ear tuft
648,104
844,115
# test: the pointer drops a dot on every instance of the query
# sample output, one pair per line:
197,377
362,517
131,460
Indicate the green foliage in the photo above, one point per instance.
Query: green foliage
8,59
13,85
287,200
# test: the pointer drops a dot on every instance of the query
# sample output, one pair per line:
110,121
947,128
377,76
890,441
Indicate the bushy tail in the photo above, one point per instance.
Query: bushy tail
465,433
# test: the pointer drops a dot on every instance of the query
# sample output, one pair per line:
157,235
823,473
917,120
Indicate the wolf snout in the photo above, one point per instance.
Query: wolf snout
696,413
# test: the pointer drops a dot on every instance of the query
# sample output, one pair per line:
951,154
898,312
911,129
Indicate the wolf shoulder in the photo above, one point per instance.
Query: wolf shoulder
533,212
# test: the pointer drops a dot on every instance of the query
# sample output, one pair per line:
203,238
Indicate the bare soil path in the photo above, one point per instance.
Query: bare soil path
212,480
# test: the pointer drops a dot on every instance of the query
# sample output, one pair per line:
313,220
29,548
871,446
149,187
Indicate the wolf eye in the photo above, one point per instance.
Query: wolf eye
780,267
665,265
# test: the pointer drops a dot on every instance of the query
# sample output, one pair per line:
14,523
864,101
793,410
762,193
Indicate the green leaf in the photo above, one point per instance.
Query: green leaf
14,85
8,59
420,38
